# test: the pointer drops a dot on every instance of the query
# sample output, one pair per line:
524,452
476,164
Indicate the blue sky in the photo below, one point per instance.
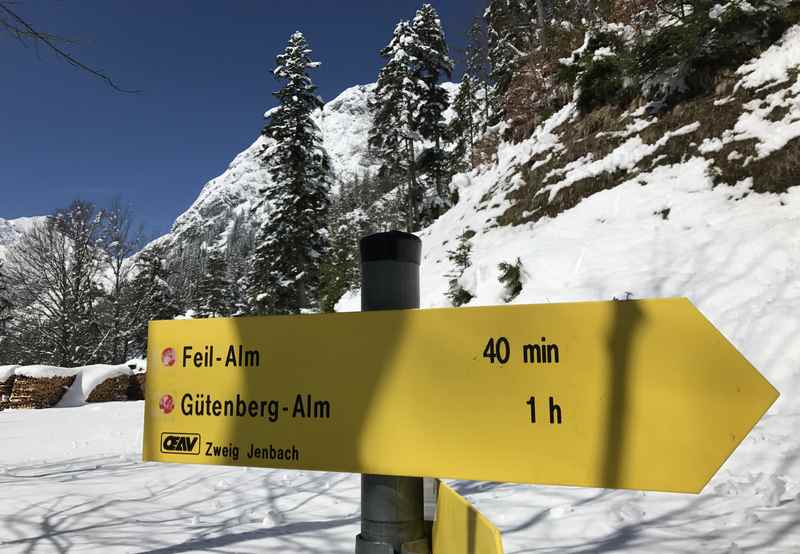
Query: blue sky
205,72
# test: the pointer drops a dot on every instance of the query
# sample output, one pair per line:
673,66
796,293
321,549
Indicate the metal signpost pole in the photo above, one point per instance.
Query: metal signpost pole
391,507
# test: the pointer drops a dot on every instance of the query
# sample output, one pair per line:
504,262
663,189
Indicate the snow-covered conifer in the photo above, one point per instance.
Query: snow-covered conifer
349,222
432,64
149,297
393,135
408,109
510,36
284,277
214,289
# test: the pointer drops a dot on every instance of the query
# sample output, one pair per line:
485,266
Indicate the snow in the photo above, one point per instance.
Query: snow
12,229
72,480
46,371
736,258
6,371
87,379
771,136
624,157
734,253
773,66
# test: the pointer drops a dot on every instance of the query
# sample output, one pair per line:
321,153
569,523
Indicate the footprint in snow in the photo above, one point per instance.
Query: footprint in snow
773,491
626,513
222,484
560,511
273,517
727,488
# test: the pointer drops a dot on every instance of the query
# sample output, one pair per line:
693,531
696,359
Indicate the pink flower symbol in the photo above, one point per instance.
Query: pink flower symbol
166,403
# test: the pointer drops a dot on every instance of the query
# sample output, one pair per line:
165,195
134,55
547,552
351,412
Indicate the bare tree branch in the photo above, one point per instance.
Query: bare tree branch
21,30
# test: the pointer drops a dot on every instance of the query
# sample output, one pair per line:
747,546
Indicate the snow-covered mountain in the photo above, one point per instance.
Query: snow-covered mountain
11,229
344,122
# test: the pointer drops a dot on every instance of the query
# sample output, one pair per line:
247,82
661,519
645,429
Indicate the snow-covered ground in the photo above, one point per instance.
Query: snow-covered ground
72,480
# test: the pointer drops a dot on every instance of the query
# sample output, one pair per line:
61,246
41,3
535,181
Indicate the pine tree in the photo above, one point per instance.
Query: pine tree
510,39
477,66
432,64
464,128
460,258
348,223
393,134
408,109
214,289
284,277
149,297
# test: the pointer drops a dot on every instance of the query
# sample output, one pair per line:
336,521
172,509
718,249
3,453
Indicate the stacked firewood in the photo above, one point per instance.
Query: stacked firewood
33,392
114,389
136,386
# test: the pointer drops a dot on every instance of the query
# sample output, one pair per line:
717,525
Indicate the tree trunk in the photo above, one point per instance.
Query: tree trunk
412,186
541,20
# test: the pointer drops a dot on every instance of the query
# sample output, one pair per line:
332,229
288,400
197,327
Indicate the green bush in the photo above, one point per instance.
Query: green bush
675,60
604,82
680,60
460,258
604,79
511,279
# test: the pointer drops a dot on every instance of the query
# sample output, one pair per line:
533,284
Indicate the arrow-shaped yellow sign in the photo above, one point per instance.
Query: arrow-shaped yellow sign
636,394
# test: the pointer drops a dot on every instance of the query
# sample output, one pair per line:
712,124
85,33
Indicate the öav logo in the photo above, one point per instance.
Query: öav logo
167,404
168,357
180,443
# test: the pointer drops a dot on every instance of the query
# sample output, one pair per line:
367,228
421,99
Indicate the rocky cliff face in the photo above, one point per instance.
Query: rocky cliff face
344,123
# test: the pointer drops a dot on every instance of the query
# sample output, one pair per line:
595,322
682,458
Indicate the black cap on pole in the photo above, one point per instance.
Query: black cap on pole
393,246
392,508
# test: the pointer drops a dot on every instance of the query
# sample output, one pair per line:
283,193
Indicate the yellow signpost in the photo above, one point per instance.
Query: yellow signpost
460,528
635,394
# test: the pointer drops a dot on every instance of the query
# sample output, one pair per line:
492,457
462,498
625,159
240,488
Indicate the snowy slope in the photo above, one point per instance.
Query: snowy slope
668,230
